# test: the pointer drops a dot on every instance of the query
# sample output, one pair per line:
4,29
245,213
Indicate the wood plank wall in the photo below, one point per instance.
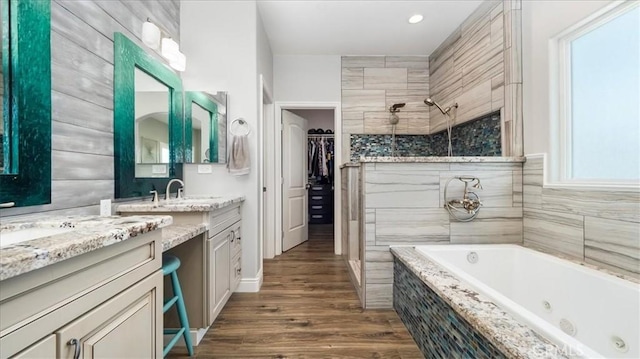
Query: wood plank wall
82,95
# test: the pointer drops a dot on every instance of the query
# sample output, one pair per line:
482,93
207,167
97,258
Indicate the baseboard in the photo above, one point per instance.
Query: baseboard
250,285
196,337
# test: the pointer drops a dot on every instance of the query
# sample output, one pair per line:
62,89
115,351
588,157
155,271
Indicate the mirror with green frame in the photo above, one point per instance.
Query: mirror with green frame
205,127
25,129
148,121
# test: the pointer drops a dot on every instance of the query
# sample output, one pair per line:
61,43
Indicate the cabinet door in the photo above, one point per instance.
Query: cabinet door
126,326
219,281
46,348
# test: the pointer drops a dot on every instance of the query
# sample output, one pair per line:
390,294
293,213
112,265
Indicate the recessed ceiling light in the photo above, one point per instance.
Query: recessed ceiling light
415,19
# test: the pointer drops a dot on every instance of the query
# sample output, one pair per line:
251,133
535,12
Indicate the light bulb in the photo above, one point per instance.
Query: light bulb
151,35
180,64
170,49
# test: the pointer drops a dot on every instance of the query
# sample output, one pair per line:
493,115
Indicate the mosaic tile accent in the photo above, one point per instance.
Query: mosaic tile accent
438,330
479,137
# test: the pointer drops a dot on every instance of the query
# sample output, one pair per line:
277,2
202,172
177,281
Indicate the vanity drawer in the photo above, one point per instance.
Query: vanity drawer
221,219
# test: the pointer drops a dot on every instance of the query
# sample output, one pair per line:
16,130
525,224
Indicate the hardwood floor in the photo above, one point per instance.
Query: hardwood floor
307,308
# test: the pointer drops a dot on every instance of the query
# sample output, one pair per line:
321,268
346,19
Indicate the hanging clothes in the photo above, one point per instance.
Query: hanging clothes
321,158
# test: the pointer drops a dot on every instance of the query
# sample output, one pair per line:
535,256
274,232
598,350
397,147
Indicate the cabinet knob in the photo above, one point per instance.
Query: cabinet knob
76,347
238,271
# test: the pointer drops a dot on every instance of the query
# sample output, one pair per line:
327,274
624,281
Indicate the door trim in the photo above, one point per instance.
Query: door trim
337,118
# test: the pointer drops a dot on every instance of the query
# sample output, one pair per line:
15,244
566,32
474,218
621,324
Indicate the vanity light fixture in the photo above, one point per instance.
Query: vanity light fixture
151,34
170,50
416,19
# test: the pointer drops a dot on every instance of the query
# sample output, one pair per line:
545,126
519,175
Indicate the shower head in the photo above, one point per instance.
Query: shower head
396,107
430,102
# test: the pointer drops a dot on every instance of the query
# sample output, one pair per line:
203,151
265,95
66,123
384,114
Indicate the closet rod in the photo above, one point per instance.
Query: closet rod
329,135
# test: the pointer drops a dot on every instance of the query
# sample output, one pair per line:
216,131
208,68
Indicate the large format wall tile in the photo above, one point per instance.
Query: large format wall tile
363,100
381,78
613,244
406,226
555,232
497,187
401,189
485,231
622,205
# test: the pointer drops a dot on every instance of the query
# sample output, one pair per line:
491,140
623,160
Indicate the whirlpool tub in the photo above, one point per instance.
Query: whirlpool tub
585,312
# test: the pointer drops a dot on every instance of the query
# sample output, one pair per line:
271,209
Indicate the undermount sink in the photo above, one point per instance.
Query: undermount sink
27,234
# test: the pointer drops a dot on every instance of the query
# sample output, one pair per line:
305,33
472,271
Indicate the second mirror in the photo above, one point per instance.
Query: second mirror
206,127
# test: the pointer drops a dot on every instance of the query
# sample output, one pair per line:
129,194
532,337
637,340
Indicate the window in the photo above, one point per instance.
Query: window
599,102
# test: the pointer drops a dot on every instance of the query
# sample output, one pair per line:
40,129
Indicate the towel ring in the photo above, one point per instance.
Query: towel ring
241,123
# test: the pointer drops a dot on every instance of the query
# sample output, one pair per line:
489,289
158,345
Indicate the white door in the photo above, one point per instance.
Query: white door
295,176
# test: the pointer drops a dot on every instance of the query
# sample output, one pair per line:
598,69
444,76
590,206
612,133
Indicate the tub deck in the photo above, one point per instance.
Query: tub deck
512,338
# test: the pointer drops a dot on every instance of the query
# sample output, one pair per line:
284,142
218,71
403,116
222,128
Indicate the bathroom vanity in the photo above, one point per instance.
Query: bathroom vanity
74,284
207,239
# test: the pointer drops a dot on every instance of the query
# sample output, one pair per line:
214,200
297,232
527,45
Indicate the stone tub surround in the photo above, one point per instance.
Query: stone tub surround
189,204
596,226
177,234
90,233
512,338
402,204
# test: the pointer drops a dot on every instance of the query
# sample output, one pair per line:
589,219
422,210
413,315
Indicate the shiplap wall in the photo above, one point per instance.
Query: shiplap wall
82,95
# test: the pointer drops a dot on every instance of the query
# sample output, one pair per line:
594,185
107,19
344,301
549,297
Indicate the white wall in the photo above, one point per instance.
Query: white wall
541,21
306,78
220,40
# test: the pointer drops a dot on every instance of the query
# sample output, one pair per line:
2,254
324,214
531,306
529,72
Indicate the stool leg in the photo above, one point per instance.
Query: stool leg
182,312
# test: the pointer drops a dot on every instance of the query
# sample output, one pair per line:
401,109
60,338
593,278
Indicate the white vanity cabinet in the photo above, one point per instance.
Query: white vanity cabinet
223,253
210,269
87,306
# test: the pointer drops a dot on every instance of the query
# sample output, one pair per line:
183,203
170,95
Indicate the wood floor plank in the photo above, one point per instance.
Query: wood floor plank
306,308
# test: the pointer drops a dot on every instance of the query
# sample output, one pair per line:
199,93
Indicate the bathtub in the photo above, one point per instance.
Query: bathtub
587,313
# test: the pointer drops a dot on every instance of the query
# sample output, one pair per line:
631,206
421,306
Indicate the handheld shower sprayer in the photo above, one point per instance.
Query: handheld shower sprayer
430,102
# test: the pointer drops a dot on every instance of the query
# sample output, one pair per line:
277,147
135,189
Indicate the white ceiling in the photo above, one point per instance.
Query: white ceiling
366,27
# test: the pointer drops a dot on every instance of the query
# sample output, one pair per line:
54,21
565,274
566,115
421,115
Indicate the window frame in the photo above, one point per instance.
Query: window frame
561,98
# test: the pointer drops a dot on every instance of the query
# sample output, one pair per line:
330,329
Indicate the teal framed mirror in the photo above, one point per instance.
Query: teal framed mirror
205,127
140,156
25,131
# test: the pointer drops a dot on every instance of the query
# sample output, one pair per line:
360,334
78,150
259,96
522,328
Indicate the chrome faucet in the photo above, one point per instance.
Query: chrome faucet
167,193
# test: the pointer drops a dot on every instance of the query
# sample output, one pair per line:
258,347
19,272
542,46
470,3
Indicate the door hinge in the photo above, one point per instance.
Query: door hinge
264,189
282,234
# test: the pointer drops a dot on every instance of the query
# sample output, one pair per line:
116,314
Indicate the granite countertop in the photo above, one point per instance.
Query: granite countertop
441,159
179,233
500,328
188,204
88,233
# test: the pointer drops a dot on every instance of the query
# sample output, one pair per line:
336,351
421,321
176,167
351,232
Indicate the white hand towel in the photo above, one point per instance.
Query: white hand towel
238,162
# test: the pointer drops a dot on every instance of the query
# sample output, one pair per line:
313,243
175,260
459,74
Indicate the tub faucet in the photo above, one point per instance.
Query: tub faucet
167,193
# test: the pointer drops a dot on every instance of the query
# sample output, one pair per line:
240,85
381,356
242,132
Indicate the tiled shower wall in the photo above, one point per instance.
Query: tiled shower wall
403,205
601,227
474,138
479,67
371,84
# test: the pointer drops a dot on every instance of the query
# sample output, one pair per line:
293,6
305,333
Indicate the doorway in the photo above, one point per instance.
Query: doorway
324,218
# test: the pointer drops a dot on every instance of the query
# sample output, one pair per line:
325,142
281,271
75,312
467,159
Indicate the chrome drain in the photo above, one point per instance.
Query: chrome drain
568,327
472,257
619,344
